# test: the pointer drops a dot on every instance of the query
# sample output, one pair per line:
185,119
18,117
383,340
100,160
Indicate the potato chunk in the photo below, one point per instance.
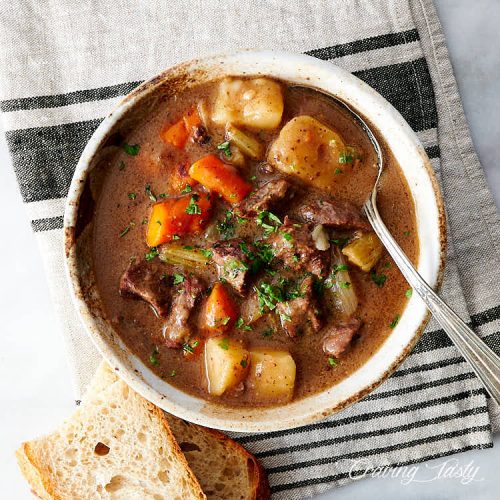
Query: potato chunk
309,150
226,364
364,251
255,103
272,375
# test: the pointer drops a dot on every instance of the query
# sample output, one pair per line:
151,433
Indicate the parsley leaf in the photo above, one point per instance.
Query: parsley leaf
226,148
132,196
153,357
345,158
193,208
224,344
187,189
206,253
226,226
378,279
409,293
131,150
150,193
332,361
153,252
178,279
395,321
244,363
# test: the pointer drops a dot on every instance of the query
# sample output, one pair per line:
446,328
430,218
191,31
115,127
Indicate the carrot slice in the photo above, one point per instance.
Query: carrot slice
177,134
221,310
178,216
217,176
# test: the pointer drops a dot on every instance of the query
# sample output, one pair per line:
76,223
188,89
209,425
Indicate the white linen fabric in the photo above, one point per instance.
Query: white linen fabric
65,64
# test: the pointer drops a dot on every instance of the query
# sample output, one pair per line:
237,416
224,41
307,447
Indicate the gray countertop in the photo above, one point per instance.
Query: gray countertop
35,390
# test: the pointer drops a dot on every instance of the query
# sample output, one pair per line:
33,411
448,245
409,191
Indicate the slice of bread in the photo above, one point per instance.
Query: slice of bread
225,470
116,446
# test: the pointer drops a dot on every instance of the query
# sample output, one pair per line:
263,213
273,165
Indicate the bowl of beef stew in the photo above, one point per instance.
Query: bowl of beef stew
217,250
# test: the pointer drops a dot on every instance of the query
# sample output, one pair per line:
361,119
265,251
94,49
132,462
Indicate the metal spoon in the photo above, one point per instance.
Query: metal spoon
484,362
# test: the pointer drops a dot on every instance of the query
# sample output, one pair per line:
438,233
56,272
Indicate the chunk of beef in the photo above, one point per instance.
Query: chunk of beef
234,262
339,336
333,213
144,281
294,245
266,197
200,135
302,314
176,329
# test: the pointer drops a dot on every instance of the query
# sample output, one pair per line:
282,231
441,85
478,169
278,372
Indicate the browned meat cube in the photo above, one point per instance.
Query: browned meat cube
234,262
302,314
336,214
144,281
265,198
294,245
176,329
339,336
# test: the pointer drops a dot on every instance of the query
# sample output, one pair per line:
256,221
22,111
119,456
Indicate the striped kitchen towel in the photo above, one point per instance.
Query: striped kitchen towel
66,63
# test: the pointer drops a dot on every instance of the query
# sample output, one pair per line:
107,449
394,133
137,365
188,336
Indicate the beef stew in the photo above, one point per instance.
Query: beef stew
230,250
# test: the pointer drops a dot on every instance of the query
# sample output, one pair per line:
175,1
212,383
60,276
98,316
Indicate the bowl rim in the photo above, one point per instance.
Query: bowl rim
137,378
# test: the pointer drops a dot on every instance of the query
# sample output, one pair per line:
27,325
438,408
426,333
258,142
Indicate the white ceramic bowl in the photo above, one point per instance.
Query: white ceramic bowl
302,70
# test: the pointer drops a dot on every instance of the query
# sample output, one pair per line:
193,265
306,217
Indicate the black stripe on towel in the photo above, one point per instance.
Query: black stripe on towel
47,224
59,100
45,158
372,43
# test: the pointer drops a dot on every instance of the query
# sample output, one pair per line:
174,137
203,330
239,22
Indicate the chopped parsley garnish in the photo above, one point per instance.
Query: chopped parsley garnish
226,226
153,252
332,361
339,267
225,320
387,265
344,284
150,193
265,218
395,321
187,189
409,293
176,237
378,279
244,363
144,221
224,344
287,236
178,279
345,158
338,171
131,150
285,317
193,208
126,230
239,322
153,357
267,333
132,196
162,195
173,373
253,178
340,242
188,247
158,222
188,349
226,148
407,233
206,253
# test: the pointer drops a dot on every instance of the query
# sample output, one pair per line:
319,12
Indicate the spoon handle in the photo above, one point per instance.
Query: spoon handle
484,362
